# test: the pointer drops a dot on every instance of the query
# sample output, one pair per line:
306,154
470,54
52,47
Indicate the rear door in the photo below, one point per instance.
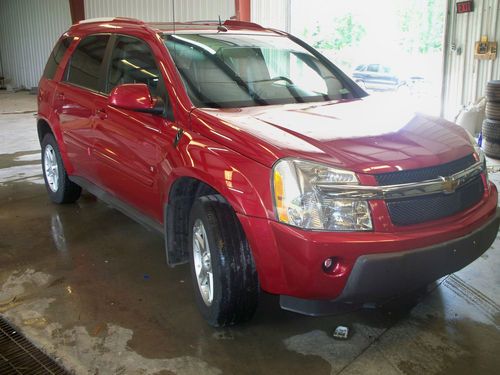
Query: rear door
129,146
75,99
48,85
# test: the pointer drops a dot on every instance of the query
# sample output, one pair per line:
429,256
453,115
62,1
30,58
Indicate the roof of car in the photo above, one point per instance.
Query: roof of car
185,27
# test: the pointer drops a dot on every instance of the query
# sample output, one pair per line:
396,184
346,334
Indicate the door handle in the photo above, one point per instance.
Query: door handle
101,113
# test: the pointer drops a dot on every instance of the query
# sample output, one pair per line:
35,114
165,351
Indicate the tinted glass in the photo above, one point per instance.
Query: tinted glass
84,67
133,62
56,57
373,68
235,70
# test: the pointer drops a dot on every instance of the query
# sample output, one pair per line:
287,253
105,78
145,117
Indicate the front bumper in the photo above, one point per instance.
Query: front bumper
289,260
376,277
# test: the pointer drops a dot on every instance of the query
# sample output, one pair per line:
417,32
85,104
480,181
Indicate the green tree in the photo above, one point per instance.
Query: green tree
421,25
344,32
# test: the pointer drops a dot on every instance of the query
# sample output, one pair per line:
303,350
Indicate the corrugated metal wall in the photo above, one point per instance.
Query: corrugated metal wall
275,13
161,10
28,31
466,77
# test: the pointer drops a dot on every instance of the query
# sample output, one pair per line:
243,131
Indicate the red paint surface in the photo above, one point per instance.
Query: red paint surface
131,155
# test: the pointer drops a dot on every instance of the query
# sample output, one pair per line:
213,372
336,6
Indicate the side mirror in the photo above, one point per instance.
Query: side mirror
135,97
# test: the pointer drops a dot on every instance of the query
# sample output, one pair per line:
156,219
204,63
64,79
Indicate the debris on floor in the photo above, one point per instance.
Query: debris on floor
341,333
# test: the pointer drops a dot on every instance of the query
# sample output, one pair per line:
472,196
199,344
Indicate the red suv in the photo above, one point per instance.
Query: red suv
261,163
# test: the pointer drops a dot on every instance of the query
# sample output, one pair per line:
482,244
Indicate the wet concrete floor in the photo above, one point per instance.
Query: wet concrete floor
91,288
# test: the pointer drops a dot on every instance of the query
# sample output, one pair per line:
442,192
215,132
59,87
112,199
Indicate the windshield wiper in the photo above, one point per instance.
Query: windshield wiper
225,68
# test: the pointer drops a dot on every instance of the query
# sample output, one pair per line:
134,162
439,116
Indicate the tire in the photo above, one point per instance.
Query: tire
235,285
493,111
491,131
491,149
62,191
493,91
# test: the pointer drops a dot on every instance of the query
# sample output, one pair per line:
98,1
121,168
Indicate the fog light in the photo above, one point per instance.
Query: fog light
329,264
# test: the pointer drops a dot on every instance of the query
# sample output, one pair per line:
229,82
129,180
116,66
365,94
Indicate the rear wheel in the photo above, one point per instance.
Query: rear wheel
222,267
59,187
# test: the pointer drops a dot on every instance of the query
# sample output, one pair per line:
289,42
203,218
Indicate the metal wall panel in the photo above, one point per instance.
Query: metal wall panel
28,31
275,13
465,77
161,10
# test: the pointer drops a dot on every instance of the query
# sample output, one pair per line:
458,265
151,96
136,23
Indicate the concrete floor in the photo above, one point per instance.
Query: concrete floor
91,288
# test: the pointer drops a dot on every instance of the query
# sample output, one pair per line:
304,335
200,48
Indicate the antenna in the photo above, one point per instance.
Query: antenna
221,27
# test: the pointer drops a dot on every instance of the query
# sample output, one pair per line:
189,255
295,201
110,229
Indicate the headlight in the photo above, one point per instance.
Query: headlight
299,201
480,156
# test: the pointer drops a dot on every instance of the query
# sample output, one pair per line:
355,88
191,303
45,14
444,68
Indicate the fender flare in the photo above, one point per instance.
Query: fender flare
56,131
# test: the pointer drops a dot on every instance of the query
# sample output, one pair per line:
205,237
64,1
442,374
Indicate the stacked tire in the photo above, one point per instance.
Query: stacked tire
491,125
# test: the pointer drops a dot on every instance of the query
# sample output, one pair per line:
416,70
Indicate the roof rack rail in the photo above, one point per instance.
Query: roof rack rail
203,21
236,23
112,19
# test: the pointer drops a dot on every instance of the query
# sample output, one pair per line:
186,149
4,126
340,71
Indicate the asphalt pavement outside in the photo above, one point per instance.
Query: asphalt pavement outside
90,287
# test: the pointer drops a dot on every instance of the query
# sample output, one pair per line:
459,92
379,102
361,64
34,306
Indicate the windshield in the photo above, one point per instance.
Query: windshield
232,70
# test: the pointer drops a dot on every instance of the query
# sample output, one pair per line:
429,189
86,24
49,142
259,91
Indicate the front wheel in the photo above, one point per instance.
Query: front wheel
59,187
222,267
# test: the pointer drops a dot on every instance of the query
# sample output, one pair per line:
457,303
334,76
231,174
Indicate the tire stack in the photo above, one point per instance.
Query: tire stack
491,125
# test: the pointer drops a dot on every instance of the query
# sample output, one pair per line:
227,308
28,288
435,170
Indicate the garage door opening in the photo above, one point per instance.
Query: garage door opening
390,47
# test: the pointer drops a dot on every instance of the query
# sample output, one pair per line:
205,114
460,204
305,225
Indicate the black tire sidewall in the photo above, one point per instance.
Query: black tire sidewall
209,220
491,130
492,111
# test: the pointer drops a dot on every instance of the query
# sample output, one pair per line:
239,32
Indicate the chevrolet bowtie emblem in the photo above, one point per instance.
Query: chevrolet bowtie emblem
449,184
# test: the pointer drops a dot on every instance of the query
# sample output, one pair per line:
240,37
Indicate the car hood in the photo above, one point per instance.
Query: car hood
367,135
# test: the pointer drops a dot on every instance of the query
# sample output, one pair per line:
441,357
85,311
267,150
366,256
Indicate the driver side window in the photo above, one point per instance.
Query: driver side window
133,62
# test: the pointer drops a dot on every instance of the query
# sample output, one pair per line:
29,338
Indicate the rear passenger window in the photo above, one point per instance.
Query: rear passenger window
85,65
56,56
133,62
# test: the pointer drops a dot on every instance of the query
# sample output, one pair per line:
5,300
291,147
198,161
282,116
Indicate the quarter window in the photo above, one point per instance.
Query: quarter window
85,65
133,62
56,57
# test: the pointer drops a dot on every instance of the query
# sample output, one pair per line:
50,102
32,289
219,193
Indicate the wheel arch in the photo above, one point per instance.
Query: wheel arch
186,184
44,127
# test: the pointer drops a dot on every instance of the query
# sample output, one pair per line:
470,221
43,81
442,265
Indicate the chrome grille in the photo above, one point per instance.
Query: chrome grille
417,210
422,174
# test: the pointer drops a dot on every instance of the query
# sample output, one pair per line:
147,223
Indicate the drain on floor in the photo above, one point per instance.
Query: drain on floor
19,356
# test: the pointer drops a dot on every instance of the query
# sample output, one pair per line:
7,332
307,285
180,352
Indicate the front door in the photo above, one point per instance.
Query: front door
130,146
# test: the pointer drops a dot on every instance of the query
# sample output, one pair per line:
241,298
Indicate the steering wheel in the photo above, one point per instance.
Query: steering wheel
281,78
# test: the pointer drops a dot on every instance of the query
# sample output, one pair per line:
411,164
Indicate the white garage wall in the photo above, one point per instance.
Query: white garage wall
275,13
466,77
161,10
28,31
